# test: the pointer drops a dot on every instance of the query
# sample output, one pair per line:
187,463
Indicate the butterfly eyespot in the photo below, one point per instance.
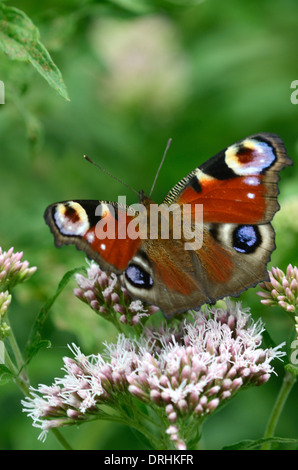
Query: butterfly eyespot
71,219
252,155
246,238
138,277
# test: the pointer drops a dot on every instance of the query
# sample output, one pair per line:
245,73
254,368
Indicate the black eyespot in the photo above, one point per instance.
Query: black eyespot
138,277
246,238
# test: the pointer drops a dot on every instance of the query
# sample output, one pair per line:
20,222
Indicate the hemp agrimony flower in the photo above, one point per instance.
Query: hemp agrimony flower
12,269
5,299
282,289
105,295
181,374
12,272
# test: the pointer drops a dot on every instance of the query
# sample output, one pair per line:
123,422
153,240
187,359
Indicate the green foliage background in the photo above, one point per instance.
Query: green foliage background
138,72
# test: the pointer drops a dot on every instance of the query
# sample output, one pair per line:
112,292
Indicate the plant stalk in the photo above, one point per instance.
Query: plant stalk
287,385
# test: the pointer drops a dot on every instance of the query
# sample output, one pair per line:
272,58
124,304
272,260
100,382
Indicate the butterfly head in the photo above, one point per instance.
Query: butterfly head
144,199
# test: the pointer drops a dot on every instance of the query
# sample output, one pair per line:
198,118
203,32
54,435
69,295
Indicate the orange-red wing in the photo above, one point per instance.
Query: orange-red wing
215,260
230,201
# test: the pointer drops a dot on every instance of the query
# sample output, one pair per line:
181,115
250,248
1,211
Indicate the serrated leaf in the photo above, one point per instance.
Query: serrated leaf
19,39
35,343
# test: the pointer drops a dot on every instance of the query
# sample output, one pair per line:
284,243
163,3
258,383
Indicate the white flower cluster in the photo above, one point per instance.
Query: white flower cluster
182,373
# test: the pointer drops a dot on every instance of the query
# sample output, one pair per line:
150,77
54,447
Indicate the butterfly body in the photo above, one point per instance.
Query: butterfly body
237,191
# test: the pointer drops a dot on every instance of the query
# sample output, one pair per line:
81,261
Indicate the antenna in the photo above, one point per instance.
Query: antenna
112,176
160,165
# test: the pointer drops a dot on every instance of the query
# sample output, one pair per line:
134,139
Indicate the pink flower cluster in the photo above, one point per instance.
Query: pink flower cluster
5,299
12,272
182,373
12,269
106,296
282,289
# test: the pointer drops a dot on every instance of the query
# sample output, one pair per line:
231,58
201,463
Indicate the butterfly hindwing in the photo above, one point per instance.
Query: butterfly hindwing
235,257
230,260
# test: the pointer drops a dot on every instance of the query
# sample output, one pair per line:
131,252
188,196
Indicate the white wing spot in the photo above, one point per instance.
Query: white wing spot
90,237
252,181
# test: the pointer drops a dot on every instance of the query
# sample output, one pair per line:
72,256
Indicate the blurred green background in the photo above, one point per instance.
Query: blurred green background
138,72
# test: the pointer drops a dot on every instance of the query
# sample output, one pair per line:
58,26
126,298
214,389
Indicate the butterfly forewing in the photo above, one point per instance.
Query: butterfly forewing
96,227
239,184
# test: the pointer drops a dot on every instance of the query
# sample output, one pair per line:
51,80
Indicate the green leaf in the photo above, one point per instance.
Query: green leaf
5,374
34,348
19,39
253,444
35,343
268,340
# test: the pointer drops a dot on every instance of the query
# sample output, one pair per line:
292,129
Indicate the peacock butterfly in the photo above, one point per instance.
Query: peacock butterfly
237,189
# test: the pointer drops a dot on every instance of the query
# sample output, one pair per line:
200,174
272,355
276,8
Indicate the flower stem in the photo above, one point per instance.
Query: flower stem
22,381
133,421
62,441
287,385
15,347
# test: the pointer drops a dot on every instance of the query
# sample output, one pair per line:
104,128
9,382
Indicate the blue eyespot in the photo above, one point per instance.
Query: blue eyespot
138,277
246,238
